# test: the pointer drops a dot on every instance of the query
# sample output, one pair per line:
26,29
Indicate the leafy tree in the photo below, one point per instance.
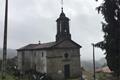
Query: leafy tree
110,9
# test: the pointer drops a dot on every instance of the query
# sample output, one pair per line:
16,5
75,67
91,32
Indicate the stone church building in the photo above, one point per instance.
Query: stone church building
59,59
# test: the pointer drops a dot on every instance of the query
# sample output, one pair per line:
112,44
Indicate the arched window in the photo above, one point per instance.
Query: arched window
66,55
65,30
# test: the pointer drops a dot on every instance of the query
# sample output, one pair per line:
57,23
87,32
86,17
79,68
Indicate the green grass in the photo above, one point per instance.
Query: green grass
102,76
8,77
88,75
73,79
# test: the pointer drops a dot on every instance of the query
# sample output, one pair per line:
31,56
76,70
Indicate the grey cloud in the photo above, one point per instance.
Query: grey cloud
34,20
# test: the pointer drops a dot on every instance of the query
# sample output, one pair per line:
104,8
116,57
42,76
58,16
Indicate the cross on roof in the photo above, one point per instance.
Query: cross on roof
62,5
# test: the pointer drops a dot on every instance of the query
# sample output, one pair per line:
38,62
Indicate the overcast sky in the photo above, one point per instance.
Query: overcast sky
33,20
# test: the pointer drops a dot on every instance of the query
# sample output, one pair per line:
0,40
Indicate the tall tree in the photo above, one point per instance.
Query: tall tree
110,9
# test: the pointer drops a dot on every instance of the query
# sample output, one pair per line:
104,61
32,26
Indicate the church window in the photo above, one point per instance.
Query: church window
34,66
23,56
65,30
66,55
60,27
42,54
34,53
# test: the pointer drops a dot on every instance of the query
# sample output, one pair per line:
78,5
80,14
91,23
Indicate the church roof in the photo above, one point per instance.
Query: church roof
27,47
37,46
44,45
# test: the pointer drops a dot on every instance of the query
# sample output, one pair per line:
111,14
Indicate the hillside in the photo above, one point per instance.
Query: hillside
88,65
10,53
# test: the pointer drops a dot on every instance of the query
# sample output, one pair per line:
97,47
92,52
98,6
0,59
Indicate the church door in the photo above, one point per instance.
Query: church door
67,71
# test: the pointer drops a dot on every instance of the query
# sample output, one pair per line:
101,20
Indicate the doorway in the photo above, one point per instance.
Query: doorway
67,71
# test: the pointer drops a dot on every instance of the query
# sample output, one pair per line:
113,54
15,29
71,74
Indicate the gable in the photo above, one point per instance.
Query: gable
67,44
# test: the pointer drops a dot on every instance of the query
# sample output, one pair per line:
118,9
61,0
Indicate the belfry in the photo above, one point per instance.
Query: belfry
63,31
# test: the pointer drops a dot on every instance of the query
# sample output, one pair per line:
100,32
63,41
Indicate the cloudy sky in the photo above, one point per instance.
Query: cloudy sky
33,20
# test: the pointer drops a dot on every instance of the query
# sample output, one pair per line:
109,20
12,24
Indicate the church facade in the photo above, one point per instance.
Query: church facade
59,59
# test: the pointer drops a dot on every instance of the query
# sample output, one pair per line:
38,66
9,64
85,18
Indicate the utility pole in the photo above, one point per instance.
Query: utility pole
94,76
5,43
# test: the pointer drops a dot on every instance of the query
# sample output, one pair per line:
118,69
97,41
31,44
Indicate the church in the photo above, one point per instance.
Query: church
60,59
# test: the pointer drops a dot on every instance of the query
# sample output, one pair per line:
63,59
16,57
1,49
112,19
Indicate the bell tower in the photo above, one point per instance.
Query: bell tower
63,31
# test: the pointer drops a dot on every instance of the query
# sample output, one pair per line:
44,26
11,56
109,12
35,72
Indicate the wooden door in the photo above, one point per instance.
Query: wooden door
67,71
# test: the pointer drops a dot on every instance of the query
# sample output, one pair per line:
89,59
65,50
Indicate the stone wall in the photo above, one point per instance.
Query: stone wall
32,60
56,61
24,60
19,60
41,61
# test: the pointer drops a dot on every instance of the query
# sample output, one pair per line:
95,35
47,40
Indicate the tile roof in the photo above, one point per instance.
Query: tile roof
104,70
37,46
29,46
44,45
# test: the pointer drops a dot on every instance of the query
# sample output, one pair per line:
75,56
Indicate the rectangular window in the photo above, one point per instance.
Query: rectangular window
34,53
42,54
23,57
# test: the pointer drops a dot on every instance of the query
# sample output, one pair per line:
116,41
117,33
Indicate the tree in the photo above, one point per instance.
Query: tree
110,9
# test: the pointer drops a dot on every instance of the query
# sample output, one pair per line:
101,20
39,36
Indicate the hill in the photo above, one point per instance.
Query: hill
88,64
10,53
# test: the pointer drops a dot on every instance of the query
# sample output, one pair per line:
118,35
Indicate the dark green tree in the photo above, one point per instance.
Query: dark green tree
110,9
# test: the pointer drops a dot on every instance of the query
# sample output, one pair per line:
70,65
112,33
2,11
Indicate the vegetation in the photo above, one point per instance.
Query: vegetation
8,77
102,76
14,74
110,9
